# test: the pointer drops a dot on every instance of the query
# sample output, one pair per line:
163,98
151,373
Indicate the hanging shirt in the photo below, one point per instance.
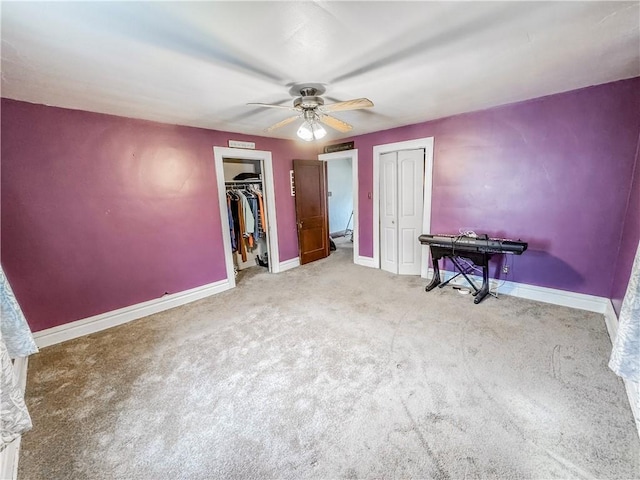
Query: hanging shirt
242,248
232,232
263,222
253,203
249,222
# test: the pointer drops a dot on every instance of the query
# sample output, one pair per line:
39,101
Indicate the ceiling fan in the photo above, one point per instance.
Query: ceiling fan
310,106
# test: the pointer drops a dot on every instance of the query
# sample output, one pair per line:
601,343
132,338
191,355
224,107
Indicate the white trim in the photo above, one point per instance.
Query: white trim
270,191
10,455
353,155
9,460
611,320
224,216
367,262
632,388
289,264
554,296
427,145
96,323
219,154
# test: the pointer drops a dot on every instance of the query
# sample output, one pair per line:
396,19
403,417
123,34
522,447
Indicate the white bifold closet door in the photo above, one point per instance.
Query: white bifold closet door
401,211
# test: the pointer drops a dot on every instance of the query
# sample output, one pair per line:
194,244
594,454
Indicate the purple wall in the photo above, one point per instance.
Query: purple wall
554,171
101,212
629,241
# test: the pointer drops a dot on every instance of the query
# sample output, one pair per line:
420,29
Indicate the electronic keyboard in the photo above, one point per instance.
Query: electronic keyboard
479,249
481,243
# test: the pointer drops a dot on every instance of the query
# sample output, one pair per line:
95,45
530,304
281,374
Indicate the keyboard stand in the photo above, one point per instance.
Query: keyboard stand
480,259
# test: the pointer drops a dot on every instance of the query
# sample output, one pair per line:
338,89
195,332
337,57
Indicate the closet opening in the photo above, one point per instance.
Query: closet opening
247,209
248,219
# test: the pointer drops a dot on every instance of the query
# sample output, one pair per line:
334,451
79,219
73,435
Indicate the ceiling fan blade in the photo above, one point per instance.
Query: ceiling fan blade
282,123
348,105
335,123
270,105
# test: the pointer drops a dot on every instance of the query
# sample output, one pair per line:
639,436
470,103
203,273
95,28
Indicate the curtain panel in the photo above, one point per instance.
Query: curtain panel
625,356
16,341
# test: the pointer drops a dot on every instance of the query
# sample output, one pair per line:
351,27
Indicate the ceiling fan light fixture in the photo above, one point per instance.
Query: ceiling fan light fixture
310,106
311,130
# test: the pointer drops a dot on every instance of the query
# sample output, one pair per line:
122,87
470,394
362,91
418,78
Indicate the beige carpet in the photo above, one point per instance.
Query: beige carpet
333,370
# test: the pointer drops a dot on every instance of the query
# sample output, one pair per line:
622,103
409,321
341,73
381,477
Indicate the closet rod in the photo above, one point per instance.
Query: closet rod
243,182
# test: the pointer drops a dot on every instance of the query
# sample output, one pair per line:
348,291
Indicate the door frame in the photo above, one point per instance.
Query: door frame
353,155
219,154
427,144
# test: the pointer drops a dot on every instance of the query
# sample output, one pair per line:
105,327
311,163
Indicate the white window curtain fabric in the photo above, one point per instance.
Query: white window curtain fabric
16,340
625,357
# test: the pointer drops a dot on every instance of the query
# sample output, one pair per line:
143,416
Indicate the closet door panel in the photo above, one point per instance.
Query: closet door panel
389,212
410,190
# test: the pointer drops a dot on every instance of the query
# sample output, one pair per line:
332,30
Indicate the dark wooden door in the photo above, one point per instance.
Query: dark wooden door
311,209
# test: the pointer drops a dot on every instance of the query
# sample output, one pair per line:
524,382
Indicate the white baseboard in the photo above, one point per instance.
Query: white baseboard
366,262
565,298
86,326
289,264
611,320
632,388
10,455
554,296
79,328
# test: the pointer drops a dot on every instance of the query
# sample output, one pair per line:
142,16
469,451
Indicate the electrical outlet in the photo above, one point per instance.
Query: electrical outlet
505,269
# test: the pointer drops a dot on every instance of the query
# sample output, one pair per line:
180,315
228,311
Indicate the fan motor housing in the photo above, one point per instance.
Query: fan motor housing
307,102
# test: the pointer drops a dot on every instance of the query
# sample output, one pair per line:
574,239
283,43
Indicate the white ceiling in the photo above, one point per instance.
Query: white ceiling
200,63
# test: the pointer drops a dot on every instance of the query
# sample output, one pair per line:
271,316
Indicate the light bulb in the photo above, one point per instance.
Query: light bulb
305,132
318,131
311,129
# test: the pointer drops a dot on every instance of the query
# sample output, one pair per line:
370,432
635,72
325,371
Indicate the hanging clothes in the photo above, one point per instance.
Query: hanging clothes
237,220
232,230
249,221
241,226
253,204
245,207
263,222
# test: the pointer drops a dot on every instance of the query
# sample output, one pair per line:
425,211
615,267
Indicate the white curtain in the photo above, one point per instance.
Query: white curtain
16,341
625,357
